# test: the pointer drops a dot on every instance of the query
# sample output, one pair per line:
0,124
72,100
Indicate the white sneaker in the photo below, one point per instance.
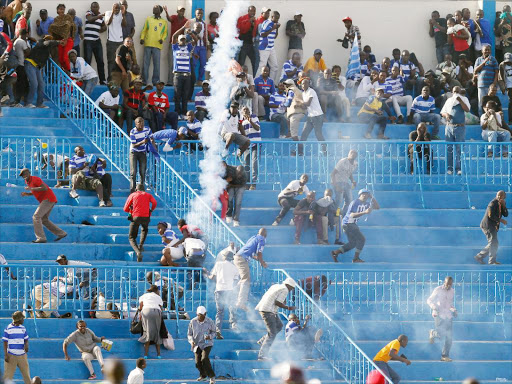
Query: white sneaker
212,380
236,223
292,222
43,106
102,204
73,194
30,106
275,224
459,173
449,172
229,220
282,136
167,148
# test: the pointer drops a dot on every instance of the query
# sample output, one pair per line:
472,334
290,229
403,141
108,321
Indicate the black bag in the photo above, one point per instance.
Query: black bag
344,43
136,324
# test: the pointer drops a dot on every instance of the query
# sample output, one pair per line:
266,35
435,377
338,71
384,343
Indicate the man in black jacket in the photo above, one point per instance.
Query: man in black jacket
490,225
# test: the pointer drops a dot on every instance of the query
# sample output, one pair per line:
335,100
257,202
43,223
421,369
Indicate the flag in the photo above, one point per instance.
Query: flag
354,64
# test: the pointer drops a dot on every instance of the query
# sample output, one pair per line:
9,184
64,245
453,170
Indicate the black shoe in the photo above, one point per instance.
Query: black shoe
139,257
60,237
339,242
400,120
219,335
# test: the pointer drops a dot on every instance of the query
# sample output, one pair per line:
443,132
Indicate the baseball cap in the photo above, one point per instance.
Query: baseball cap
205,82
43,11
201,310
289,281
508,56
23,170
235,104
430,72
61,257
361,191
289,82
317,51
346,19
138,79
265,9
447,70
380,89
181,37
161,82
180,7
241,74
298,13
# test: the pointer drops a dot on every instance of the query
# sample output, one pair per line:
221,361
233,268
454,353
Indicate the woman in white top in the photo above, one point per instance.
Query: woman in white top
81,71
151,305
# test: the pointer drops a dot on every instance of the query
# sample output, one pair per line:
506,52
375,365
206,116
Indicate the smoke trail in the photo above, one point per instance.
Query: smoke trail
221,82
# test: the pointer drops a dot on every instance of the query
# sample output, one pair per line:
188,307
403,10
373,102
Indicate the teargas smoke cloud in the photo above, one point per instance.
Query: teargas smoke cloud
221,82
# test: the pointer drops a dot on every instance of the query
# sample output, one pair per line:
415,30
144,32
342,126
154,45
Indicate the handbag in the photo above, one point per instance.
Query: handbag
169,342
136,324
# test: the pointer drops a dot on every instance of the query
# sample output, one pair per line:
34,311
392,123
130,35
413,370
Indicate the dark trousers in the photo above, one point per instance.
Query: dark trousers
94,47
21,86
301,221
77,49
182,83
372,119
286,203
509,91
247,49
137,160
129,116
423,154
203,364
355,238
106,181
274,326
134,232
159,120
491,249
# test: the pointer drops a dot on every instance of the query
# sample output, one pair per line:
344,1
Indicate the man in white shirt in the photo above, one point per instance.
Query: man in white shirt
286,197
115,21
493,129
137,375
315,119
268,306
443,312
225,274
232,130
83,276
109,102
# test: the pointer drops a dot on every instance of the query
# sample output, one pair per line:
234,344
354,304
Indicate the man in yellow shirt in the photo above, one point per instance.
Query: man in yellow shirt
390,352
152,37
314,66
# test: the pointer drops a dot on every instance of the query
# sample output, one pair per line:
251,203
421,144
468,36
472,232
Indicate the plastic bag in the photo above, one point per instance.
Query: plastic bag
169,342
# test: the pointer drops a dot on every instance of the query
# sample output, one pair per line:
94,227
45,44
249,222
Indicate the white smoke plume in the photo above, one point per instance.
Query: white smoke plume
221,82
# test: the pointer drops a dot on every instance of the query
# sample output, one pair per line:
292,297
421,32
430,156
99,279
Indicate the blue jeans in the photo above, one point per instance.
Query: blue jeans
384,367
36,84
454,134
372,119
88,85
482,91
225,299
428,118
441,52
201,52
444,329
159,121
281,119
94,46
496,137
151,53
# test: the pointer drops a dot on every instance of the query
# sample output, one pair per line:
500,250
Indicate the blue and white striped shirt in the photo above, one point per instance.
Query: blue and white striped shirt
287,67
252,134
15,336
397,85
406,68
200,100
170,235
267,43
77,161
137,136
194,126
182,54
420,105
277,99
99,168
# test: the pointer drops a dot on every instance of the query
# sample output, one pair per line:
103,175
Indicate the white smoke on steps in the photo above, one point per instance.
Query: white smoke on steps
221,82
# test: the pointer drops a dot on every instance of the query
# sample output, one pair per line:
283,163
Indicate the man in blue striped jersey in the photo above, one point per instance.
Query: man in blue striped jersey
251,125
269,33
182,52
88,173
423,110
277,106
396,82
140,137
15,340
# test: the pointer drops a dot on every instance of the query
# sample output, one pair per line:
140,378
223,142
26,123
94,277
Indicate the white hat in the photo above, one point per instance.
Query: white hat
298,13
201,310
289,281
180,37
264,9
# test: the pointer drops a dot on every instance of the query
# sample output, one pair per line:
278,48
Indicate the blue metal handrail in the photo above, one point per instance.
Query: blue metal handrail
120,285
466,176
391,162
115,144
405,291
418,171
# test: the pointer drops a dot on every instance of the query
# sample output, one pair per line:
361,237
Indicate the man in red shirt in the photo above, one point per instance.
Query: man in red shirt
47,200
245,26
177,22
138,206
159,105
133,104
